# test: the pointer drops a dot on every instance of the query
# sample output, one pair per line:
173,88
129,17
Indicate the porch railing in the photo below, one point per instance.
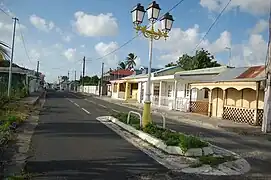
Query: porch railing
242,115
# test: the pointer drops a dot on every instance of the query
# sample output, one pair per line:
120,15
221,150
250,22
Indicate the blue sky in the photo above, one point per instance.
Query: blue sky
59,33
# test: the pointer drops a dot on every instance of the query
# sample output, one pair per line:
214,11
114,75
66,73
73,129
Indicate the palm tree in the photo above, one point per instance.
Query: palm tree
4,51
122,65
130,60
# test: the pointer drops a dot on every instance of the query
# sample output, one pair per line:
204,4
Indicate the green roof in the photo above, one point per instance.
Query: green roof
213,70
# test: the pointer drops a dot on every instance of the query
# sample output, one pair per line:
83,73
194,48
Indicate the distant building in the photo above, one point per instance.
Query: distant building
118,74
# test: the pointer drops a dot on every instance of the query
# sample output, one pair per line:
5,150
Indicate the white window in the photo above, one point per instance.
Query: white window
187,90
169,91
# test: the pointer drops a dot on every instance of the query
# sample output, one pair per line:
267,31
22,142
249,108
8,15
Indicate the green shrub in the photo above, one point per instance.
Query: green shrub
214,161
170,138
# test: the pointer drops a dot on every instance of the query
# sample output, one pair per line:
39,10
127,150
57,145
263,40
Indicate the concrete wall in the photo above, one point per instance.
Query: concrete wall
90,89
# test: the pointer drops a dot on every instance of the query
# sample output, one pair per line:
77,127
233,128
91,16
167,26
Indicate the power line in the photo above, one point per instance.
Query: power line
212,25
129,41
5,12
22,37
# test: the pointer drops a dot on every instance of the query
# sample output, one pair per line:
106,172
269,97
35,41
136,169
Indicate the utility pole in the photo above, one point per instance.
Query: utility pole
83,72
38,67
229,48
75,81
266,124
68,75
12,55
101,82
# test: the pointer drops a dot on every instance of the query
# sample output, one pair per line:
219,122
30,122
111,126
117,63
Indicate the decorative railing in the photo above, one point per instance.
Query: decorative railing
260,116
200,107
155,100
239,114
182,104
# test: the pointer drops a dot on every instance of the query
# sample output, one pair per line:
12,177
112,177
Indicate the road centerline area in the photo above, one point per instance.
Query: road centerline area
86,110
71,144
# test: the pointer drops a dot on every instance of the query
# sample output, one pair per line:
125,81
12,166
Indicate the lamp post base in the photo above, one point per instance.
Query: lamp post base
146,117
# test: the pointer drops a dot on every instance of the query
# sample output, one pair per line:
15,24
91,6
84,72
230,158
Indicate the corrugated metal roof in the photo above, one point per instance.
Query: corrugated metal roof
229,74
214,70
198,78
165,69
252,72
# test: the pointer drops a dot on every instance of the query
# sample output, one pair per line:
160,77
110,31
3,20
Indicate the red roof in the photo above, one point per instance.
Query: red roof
252,72
124,72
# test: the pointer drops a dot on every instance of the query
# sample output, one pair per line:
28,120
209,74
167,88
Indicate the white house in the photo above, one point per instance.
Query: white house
170,87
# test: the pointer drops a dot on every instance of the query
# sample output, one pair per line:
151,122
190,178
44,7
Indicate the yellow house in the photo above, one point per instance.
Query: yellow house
128,88
236,94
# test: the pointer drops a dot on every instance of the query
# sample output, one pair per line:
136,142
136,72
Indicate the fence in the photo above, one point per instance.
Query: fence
90,89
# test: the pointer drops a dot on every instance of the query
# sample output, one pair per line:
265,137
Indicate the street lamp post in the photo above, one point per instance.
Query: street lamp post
228,48
153,12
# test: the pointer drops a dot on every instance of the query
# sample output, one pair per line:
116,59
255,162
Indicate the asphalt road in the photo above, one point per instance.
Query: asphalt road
69,143
257,153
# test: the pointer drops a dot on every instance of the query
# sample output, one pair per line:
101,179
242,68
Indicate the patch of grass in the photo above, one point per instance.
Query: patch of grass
170,138
23,175
11,115
214,161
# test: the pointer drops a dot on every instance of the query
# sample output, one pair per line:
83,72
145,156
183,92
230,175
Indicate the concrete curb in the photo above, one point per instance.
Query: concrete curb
175,150
23,140
237,167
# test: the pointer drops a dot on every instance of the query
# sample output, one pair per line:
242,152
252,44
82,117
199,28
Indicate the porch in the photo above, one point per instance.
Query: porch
235,101
176,95
125,90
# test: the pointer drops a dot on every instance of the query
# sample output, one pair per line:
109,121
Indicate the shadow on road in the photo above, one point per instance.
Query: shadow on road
118,168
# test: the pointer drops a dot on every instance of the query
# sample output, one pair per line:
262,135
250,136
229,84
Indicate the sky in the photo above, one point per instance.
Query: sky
60,33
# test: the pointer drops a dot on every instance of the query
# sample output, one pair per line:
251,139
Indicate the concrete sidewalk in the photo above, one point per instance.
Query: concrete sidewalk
33,98
195,119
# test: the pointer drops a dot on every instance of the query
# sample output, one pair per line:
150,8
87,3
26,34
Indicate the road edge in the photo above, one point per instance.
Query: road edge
23,141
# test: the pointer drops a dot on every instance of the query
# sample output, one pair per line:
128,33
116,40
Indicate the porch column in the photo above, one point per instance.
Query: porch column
223,101
160,93
256,118
118,88
126,95
175,94
210,102
152,89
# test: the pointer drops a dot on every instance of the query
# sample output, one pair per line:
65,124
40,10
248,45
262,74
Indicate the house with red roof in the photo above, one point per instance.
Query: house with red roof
236,94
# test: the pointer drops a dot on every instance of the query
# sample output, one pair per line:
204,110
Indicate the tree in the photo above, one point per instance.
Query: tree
130,60
94,80
64,78
170,64
202,59
4,51
122,65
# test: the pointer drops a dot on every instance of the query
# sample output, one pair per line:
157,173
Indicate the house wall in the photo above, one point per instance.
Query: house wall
217,102
90,89
245,98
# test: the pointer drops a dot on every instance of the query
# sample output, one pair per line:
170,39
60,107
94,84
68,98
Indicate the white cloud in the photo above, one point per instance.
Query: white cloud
34,55
82,46
221,43
180,41
69,53
103,49
41,23
67,38
251,53
251,6
261,26
91,25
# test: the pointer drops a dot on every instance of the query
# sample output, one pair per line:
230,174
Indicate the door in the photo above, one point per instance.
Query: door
217,102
